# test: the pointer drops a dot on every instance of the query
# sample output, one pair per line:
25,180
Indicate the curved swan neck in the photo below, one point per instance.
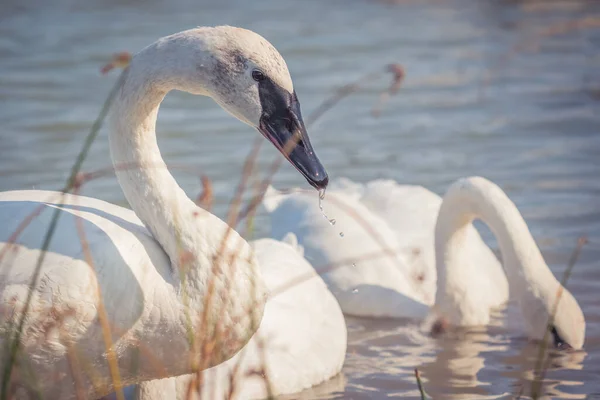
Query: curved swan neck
193,238
152,192
473,198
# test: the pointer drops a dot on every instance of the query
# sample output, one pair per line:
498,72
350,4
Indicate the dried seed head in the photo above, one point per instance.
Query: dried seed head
205,199
119,60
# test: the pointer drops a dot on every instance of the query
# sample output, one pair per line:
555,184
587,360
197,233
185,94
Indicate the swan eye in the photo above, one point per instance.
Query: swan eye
258,76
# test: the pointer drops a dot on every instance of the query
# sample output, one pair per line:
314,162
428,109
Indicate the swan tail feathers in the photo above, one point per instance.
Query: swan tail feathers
291,239
272,199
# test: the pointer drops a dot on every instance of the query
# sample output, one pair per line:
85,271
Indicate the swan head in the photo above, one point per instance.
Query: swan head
568,325
247,77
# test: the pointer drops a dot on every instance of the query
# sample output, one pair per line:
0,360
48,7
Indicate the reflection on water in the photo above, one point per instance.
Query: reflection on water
560,364
534,130
459,361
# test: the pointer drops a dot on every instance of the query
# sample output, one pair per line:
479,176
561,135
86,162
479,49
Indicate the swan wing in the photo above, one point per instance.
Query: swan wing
123,266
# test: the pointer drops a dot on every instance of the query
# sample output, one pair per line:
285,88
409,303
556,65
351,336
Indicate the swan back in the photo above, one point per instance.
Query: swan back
530,279
358,256
348,187
410,211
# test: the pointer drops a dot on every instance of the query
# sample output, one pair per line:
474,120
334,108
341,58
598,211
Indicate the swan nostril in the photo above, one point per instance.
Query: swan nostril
299,142
289,125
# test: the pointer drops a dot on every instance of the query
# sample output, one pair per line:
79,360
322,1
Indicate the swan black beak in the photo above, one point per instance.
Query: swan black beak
281,123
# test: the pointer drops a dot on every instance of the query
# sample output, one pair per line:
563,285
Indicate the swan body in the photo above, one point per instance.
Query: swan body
147,271
469,280
381,214
301,341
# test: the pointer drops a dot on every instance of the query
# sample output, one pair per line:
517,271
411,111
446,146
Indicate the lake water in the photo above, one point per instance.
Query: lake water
534,130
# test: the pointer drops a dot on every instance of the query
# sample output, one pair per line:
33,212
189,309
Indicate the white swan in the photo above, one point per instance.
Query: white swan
153,276
470,281
531,282
302,335
380,214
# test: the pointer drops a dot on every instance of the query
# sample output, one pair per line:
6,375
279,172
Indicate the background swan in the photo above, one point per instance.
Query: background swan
302,333
381,214
468,283
531,282
152,272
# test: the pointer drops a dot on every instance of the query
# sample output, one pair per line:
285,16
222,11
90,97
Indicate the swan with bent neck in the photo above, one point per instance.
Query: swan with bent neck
375,274
531,281
152,266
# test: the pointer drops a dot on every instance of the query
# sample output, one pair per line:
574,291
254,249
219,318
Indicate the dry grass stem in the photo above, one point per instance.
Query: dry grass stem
419,384
206,197
543,362
398,75
119,60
